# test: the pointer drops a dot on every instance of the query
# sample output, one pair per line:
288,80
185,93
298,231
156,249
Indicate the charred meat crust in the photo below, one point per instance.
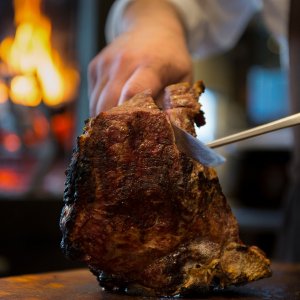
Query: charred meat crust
145,217
182,106
150,176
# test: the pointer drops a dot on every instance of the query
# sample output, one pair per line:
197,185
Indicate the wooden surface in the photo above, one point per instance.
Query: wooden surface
81,284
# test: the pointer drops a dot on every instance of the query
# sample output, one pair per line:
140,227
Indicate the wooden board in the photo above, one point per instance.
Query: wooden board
81,284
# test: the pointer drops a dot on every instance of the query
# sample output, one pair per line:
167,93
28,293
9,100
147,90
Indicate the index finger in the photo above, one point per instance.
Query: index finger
142,79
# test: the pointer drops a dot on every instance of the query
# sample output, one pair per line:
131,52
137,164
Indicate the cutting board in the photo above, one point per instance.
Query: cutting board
81,284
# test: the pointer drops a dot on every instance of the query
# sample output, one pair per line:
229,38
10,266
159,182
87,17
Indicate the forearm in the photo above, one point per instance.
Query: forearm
140,56
154,14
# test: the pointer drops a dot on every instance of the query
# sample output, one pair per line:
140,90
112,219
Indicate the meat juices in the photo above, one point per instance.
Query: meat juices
145,217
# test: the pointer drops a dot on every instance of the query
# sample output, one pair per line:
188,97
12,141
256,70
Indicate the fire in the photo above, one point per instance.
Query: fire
40,73
25,91
3,92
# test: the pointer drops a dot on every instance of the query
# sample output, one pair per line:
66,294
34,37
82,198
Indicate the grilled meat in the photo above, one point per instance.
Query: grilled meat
145,217
182,106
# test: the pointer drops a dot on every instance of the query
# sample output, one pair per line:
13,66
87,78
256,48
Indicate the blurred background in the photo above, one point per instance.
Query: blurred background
45,48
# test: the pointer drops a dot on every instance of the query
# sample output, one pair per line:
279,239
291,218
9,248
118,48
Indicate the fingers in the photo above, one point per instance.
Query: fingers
92,75
114,82
118,91
142,79
95,94
106,78
110,95
149,78
97,79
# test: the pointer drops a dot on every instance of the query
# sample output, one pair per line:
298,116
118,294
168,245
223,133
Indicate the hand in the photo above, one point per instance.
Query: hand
141,58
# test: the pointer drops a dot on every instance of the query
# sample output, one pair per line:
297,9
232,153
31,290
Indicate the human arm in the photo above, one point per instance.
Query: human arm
162,30
151,53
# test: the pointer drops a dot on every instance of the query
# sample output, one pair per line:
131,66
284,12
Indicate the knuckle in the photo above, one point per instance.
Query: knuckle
152,58
97,64
123,58
101,63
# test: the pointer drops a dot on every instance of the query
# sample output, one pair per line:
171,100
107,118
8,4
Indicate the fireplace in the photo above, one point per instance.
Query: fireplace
39,85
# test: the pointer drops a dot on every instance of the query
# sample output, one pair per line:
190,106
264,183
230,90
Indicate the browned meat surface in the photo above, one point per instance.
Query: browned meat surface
182,106
145,217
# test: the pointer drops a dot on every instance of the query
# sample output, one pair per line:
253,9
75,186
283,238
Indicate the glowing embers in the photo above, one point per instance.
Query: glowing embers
41,126
37,132
8,179
62,126
16,176
12,142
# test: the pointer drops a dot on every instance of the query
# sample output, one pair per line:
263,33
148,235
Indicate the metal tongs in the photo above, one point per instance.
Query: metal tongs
247,134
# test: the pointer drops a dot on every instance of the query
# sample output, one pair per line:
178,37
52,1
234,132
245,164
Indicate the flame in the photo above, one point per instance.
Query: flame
25,91
52,83
3,92
30,55
5,49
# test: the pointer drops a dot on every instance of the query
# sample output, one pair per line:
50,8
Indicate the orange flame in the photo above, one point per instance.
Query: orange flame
30,54
25,91
3,92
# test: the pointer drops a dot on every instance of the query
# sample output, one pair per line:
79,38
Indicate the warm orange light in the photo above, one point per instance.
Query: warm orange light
27,10
8,179
72,80
6,70
62,125
5,48
52,84
29,138
41,126
31,53
23,51
23,35
12,142
25,91
3,92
